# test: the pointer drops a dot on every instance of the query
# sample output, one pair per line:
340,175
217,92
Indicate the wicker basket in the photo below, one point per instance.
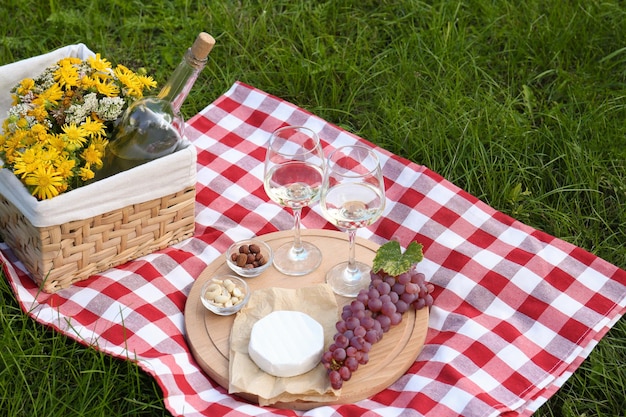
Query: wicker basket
101,225
57,256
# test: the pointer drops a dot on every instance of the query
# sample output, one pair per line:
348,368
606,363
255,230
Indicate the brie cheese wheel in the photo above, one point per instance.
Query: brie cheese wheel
286,343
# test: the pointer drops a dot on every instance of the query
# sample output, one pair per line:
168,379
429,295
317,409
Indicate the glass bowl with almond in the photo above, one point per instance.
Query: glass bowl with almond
225,295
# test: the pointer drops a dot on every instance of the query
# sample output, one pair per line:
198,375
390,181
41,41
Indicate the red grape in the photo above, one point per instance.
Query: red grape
365,320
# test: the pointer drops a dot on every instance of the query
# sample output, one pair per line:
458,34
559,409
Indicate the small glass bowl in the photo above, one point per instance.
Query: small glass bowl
249,271
220,286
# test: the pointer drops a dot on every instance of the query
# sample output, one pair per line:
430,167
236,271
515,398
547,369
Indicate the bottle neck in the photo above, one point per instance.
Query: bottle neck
177,87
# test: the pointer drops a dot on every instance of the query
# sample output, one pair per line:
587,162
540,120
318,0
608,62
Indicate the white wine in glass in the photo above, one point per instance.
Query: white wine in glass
352,197
294,166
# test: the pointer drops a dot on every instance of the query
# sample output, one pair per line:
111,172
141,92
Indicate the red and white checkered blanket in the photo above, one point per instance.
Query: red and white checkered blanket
516,310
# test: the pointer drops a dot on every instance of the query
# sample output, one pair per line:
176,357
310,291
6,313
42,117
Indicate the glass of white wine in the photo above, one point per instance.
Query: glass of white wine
352,197
294,165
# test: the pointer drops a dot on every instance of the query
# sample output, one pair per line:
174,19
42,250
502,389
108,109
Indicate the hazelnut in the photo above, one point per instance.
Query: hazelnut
242,259
248,256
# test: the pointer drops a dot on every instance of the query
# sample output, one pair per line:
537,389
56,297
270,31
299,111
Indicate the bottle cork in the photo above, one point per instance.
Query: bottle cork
202,46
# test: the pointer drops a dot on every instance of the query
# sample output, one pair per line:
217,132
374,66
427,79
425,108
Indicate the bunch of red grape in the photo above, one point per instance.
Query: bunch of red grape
364,321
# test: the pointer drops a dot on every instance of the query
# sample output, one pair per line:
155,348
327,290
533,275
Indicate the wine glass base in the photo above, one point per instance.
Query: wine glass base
347,282
297,263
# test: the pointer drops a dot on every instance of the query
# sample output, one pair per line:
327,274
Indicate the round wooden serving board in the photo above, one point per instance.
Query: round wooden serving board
208,334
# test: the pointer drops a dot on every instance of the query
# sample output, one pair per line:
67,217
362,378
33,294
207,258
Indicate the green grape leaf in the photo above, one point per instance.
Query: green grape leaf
390,259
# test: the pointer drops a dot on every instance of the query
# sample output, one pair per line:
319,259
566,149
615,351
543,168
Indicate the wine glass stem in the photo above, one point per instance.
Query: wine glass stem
352,268
297,241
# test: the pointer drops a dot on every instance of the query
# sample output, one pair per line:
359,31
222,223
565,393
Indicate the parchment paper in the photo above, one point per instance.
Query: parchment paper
318,302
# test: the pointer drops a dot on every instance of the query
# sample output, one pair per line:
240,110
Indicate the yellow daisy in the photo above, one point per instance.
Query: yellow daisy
74,136
147,81
38,112
92,156
40,132
106,88
88,82
100,143
129,80
65,167
22,123
52,95
56,142
46,182
86,174
25,86
11,145
67,76
98,63
26,162
94,128
48,155
70,60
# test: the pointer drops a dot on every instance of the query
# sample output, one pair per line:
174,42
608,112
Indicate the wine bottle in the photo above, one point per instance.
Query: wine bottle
153,127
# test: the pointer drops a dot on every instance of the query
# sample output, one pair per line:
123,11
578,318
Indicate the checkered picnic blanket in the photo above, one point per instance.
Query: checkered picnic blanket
516,310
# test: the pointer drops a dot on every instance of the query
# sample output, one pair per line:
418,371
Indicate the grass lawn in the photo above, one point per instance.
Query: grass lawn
521,103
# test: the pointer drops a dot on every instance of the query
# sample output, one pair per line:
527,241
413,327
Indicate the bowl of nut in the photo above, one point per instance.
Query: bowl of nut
249,258
225,295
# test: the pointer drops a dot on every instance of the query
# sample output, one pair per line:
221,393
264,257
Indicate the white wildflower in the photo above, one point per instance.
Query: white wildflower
110,108
91,102
77,113
46,79
20,109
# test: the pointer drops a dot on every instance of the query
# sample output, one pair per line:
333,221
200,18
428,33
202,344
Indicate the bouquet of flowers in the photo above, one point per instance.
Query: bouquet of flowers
57,130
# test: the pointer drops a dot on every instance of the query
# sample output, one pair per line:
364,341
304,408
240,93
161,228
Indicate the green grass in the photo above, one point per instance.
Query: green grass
521,103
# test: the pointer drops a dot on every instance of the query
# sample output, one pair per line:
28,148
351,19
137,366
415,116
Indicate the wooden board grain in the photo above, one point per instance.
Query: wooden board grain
208,334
